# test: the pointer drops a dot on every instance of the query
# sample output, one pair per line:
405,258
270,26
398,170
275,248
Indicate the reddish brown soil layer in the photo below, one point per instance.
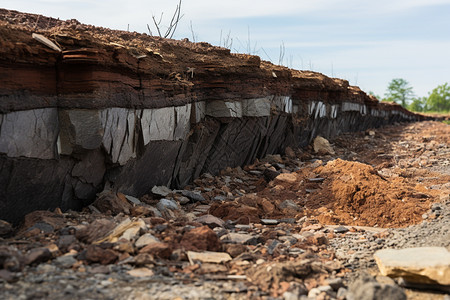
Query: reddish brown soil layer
100,67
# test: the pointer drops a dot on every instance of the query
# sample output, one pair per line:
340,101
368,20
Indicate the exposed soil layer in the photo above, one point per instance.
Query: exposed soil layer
100,67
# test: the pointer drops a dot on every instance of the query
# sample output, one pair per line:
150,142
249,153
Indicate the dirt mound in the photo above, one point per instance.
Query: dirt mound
358,195
339,192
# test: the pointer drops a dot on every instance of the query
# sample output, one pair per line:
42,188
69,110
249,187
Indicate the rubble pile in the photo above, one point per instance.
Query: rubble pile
268,230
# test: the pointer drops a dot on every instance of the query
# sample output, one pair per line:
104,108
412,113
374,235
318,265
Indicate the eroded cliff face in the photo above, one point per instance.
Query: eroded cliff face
130,111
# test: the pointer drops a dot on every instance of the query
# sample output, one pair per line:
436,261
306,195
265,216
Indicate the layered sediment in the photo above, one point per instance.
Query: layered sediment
129,111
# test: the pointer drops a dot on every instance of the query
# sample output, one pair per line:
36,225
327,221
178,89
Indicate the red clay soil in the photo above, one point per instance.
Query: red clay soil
356,194
352,193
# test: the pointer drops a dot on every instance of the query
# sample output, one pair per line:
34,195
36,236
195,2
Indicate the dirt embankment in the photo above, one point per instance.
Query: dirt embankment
130,111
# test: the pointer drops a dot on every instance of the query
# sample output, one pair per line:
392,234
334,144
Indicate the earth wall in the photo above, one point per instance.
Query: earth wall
129,111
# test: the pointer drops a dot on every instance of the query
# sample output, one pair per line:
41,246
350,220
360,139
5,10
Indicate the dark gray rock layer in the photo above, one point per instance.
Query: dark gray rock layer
62,158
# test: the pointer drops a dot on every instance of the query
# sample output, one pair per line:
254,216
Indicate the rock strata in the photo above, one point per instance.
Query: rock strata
119,110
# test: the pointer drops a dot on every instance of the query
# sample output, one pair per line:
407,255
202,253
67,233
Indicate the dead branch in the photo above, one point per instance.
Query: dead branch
176,17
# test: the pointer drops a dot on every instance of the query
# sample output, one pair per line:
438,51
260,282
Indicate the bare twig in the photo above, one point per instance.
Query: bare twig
255,52
301,60
241,45
282,52
226,42
291,61
194,38
149,30
157,24
176,17
270,59
174,21
248,42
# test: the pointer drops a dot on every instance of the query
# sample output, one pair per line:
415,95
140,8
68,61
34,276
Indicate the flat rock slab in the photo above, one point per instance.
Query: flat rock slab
208,257
141,272
238,238
161,190
211,221
428,265
269,221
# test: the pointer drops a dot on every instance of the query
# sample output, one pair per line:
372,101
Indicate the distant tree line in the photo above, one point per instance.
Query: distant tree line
400,91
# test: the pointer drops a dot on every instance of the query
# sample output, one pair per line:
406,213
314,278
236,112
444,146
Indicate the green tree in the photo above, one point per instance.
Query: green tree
417,104
439,99
399,91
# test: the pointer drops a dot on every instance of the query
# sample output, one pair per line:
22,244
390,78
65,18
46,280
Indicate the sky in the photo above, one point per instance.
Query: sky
368,43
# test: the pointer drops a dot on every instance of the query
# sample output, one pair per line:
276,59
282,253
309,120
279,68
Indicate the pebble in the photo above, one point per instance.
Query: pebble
65,261
314,292
166,204
269,221
194,196
341,229
318,179
145,240
211,221
133,200
425,234
290,296
162,191
183,200
220,198
239,238
296,251
243,227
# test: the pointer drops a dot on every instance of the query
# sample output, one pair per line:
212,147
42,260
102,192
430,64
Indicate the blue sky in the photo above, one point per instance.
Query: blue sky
366,42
